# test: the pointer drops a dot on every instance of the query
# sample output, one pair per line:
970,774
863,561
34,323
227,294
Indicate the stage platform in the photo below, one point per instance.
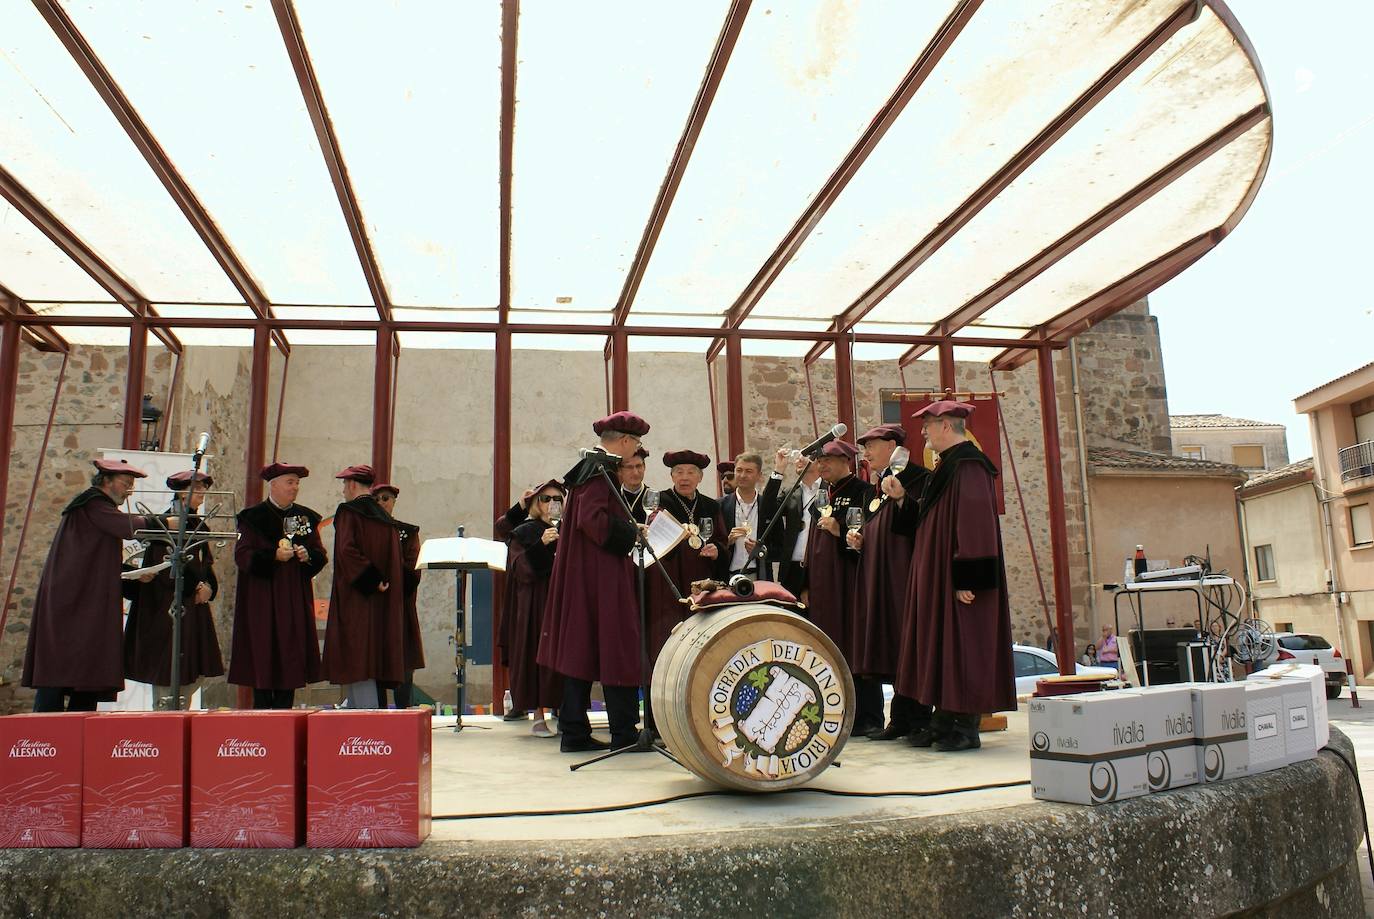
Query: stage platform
1279,844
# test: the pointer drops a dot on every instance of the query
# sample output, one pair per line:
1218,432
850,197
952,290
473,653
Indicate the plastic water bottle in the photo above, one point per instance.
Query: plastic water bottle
507,703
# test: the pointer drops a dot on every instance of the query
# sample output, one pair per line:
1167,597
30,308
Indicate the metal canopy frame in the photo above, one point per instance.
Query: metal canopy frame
27,321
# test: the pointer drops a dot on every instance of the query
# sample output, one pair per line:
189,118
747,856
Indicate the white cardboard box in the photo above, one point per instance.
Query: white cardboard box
1088,748
1219,722
1268,725
1171,759
1306,701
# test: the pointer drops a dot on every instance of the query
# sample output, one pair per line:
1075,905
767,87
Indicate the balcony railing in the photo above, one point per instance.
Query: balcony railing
1357,461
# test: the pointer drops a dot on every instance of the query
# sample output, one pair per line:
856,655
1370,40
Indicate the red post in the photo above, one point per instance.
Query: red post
133,387
381,405
734,396
1059,536
255,455
946,366
500,489
844,385
9,386
620,371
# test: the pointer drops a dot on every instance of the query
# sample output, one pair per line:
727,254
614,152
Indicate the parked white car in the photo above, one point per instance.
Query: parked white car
1306,648
1034,664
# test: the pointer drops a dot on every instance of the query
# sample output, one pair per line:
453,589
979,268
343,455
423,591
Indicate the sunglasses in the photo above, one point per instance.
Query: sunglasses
545,499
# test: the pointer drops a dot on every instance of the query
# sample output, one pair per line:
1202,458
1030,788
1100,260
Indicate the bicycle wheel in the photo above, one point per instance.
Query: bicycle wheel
1254,641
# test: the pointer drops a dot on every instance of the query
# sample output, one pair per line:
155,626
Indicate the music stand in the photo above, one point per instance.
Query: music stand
644,743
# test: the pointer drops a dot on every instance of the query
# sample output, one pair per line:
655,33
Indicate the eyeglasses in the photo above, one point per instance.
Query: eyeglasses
545,499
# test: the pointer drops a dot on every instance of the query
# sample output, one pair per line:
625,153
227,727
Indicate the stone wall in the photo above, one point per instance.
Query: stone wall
1121,379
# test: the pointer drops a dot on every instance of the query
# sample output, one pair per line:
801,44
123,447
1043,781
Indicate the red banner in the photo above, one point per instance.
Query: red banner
983,428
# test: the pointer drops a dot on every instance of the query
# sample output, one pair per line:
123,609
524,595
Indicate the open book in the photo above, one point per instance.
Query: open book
664,535
462,552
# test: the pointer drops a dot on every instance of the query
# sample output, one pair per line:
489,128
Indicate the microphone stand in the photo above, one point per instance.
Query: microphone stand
182,508
644,743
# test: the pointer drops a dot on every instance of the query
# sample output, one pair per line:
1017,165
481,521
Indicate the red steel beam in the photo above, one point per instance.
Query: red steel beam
133,387
620,371
946,365
510,35
9,393
41,338
164,425
1013,168
677,167
381,406
830,192
715,414
500,492
1059,534
83,255
157,158
281,406
844,385
290,27
734,397
255,456
1071,241
1121,294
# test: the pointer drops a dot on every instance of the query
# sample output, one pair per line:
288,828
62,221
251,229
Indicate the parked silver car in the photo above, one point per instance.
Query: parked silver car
1306,648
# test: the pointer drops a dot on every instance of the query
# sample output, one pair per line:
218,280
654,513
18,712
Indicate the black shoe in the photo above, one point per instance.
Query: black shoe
925,738
586,745
866,730
515,716
957,743
893,731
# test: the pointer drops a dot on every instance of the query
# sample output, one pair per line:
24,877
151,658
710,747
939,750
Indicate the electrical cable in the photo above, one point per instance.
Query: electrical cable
1359,793
725,792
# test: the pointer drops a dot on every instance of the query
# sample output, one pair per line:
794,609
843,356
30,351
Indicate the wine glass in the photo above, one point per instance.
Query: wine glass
854,520
650,501
705,527
900,457
555,512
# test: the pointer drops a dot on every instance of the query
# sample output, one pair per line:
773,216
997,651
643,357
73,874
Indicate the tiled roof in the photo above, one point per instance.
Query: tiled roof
1337,379
1217,421
1298,470
1139,460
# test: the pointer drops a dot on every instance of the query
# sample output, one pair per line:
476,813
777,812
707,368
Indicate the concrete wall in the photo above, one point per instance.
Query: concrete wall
1219,443
1172,516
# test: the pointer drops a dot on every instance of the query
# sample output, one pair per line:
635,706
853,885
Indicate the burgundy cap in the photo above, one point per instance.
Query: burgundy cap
841,448
386,486
179,480
688,457
119,467
360,473
726,467
551,483
279,469
892,432
624,422
642,453
946,407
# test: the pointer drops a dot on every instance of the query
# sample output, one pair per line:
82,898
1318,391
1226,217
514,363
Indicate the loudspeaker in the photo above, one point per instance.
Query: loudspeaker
1155,652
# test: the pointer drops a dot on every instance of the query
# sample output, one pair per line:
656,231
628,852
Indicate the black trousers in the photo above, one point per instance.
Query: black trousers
908,715
952,724
274,698
60,699
868,702
622,710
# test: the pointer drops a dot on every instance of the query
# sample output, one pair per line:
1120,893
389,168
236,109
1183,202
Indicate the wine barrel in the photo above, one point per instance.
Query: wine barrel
752,697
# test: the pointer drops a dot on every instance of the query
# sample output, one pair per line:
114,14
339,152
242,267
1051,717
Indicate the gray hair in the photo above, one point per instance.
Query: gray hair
956,424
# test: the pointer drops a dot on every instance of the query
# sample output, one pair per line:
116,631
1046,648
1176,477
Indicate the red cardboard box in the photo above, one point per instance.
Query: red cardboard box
248,779
40,780
368,779
134,781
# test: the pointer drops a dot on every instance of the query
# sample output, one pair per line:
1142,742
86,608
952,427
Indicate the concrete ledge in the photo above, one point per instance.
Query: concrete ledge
1279,844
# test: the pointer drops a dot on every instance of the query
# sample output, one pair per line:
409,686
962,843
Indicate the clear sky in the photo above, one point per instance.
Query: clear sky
1284,304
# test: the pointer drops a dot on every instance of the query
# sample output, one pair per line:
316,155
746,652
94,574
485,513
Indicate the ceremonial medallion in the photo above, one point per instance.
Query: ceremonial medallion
695,542
284,543
874,505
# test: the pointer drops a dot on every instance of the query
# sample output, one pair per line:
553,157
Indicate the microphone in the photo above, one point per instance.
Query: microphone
600,456
742,585
202,443
812,449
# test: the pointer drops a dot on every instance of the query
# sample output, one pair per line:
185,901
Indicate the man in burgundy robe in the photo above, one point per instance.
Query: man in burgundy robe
880,590
74,657
591,621
148,630
364,640
833,570
409,534
956,648
685,562
275,649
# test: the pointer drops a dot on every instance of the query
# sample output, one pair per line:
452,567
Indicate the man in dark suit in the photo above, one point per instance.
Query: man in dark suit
747,512
795,526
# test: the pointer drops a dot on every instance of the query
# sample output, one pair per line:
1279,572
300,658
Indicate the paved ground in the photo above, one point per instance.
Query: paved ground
1358,725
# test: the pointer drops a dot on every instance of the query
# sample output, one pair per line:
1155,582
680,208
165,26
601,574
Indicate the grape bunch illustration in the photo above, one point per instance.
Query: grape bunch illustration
749,691
797,735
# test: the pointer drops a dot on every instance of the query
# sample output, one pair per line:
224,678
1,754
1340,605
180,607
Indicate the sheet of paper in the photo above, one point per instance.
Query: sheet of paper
664,534
137,573
464,551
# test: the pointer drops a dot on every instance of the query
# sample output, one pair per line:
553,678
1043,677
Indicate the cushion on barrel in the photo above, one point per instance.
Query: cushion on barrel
764,592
